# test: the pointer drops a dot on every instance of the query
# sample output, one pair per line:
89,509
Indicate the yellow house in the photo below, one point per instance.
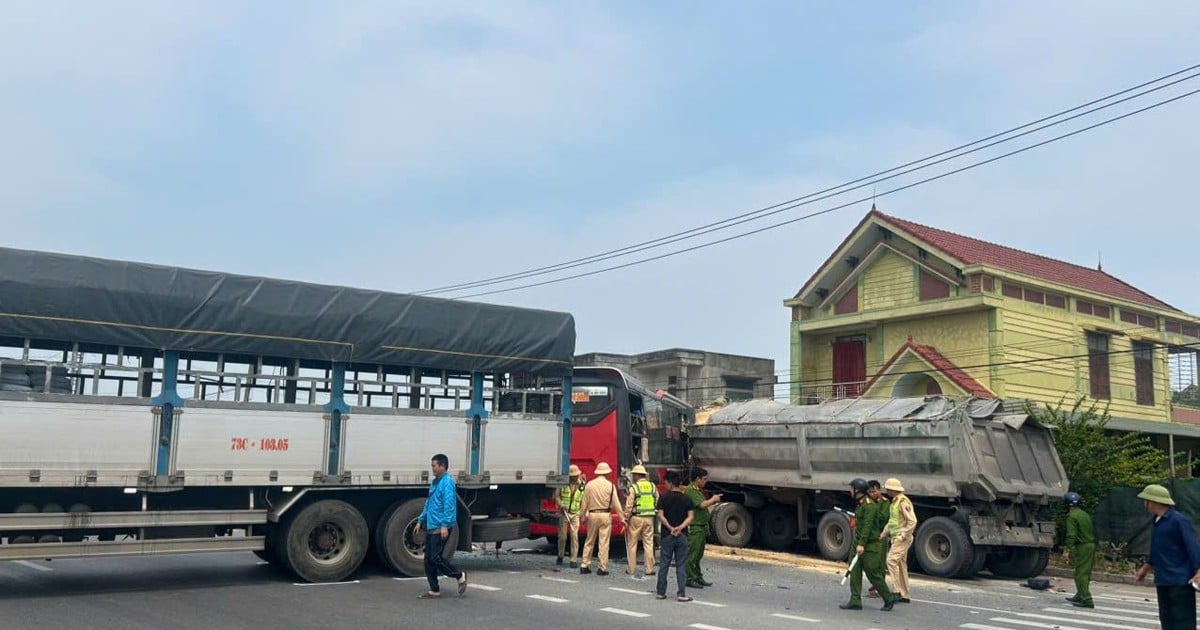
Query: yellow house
902,309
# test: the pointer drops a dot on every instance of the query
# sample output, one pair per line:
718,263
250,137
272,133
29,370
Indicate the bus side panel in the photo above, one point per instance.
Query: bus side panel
527,446
64,441
402,445
250,444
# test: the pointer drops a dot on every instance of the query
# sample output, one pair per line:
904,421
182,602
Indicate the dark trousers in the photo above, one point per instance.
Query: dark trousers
435,564
673,551
1177,607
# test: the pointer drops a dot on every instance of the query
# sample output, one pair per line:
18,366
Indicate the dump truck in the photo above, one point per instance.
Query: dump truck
982,474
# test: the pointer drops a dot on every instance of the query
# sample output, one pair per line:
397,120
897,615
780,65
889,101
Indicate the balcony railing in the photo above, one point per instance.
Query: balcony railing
815,394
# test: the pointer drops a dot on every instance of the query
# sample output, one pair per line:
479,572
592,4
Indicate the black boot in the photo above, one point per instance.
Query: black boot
889,605
850,606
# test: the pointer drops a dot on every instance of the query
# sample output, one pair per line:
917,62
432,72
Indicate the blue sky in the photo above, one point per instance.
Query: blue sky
403,146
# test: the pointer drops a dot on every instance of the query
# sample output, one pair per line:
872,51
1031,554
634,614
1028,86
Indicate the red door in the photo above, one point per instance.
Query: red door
849,367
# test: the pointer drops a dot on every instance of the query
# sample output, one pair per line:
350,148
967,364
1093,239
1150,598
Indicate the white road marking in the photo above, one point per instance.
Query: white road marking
324,583
994,610
563,580
795,618
980,626
1086,613
628,590
1130,611
547,598
33,565
1036,624
713,604
262,562
406,579
482,587
704,626
1086,622
627,613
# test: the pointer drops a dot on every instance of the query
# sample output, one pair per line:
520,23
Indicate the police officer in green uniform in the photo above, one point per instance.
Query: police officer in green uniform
698,531
871,519
1080,549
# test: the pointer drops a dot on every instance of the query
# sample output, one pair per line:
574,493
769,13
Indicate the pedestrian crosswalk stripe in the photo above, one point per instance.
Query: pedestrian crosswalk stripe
1086,622
1036,624
483,587
563,580
547,598
628,590
713,604
1130,611
1134,601
627,613
795,618
981,626
1102,616
704,626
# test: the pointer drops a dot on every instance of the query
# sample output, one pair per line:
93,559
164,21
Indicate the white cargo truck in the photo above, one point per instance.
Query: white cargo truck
152,410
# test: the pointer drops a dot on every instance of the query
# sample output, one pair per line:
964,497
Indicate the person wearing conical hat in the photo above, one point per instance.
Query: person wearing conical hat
599,504
640,513
1174,558
902,522
570,501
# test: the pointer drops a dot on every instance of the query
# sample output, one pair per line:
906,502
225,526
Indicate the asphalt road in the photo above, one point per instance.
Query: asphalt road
521,588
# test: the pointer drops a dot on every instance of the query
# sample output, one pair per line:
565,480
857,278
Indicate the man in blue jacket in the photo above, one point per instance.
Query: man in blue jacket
1175,558
438,519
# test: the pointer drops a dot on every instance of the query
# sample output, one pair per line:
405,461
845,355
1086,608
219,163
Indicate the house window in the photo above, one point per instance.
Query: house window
1096,310
1140,319
737,388
848,303
1143,372
1181,328
1098,366
1035,296
932,287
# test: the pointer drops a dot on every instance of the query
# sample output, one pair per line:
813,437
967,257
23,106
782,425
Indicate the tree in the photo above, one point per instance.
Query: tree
1097,459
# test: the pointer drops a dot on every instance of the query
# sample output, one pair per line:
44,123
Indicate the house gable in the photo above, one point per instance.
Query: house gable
912,361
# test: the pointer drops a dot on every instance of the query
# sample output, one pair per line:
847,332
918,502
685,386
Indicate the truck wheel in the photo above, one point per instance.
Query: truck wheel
398,545
777,527
976,564
943,547
713,516
1019,562
834,536
499,529
325,541
733,525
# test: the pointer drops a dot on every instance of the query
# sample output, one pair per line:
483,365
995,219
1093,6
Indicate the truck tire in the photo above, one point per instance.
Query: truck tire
777,527
399,546
834,536
976,565
712,529
1019,562
325,541
499,529
943,547
733,525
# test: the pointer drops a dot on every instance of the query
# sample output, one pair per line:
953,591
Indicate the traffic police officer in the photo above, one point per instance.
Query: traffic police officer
640,512
570,500
871,520
902,522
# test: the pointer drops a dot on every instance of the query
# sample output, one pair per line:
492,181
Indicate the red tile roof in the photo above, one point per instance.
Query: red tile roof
939,362
973,251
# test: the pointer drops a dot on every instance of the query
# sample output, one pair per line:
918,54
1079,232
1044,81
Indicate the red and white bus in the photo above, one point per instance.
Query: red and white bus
619,420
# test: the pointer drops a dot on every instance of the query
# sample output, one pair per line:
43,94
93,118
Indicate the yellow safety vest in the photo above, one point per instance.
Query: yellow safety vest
570,499
645,498
893,524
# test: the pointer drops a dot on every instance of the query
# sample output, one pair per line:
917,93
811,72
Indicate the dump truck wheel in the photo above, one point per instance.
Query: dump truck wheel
325,541
943,547
733,525
1019,562
834,536
713,516
975,566
398,545
777,527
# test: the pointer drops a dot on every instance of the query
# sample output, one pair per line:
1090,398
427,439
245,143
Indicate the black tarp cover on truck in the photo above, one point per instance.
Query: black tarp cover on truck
115,303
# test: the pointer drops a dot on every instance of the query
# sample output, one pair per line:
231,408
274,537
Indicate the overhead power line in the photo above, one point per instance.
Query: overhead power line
860,200
827,193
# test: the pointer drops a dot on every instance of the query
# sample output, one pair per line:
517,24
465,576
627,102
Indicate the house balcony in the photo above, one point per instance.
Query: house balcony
816,394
